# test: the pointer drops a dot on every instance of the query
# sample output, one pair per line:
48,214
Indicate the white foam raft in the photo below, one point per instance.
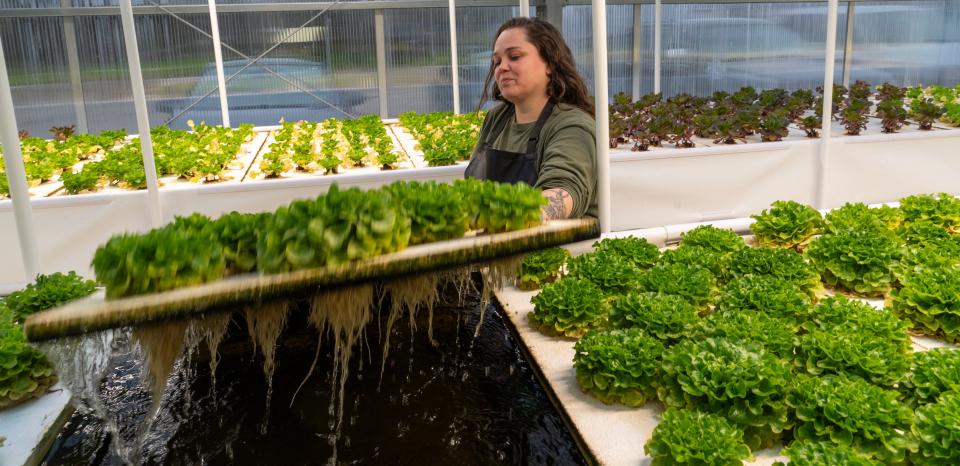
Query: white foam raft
31,427
613,434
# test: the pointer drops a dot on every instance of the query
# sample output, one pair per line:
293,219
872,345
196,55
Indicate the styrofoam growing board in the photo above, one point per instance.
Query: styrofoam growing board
612,434
30,428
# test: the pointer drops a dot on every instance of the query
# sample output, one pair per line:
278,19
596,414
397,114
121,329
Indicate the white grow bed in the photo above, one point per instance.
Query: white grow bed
709,183
612,434
881,167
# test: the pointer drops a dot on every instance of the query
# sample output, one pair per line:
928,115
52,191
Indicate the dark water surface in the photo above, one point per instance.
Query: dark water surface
463,402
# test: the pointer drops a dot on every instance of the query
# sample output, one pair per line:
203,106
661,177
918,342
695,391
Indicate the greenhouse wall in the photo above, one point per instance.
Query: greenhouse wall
71,70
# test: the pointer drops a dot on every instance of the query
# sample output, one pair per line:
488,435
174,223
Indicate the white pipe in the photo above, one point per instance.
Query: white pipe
657,32
16,175
218,58
848,45
454,73
140,104
524,8
603,116
637,51
827,123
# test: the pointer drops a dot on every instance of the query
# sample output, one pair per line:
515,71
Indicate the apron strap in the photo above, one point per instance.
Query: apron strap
534,134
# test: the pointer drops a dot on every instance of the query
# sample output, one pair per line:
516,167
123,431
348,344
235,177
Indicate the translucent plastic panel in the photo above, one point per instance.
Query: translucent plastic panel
907,43
724,47
29,3
578,32
176,56
176,61
418,60
94,3
107,92
313,66
37,69
476,31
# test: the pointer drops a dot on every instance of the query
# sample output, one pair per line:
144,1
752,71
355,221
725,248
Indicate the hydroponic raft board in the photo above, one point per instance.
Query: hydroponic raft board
98,314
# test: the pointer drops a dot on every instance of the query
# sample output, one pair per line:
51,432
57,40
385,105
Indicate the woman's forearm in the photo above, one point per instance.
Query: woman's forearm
559,204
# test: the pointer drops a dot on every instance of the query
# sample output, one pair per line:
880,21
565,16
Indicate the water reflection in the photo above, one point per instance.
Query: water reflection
465,401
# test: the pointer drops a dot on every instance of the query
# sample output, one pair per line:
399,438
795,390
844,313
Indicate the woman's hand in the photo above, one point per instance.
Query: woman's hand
559,204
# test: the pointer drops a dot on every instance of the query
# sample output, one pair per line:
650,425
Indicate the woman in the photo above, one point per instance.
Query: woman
542,132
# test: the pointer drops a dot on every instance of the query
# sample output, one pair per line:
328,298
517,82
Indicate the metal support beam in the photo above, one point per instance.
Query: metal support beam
140,103
603,116
524,8
825,130
73,65
16,175
637,52
218,58
848,45
327,42
657,44
380,37
454,69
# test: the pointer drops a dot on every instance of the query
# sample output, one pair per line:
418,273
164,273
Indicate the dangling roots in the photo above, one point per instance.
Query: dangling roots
161,345
345,313
461,280
210,329
264,323
411,294
495,275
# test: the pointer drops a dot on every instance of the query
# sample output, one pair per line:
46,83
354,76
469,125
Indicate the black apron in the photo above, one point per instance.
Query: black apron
508,167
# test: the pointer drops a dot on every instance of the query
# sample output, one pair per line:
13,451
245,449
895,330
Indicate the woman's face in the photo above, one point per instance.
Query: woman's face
518,68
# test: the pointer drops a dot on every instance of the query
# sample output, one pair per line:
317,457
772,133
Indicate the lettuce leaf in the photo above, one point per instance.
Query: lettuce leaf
618,366
568,307
740,381
860,261
849,411
788,224
688,437
668,318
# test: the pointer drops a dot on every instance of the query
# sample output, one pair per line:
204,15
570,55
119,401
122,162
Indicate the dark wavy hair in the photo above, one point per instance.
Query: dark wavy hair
566,85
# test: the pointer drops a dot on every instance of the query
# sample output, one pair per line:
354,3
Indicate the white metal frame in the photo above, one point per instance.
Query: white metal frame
16,176
602,115
454,68
830,54
140,105
218,59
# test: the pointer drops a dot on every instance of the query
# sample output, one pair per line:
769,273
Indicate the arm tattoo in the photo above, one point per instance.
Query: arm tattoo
556,208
